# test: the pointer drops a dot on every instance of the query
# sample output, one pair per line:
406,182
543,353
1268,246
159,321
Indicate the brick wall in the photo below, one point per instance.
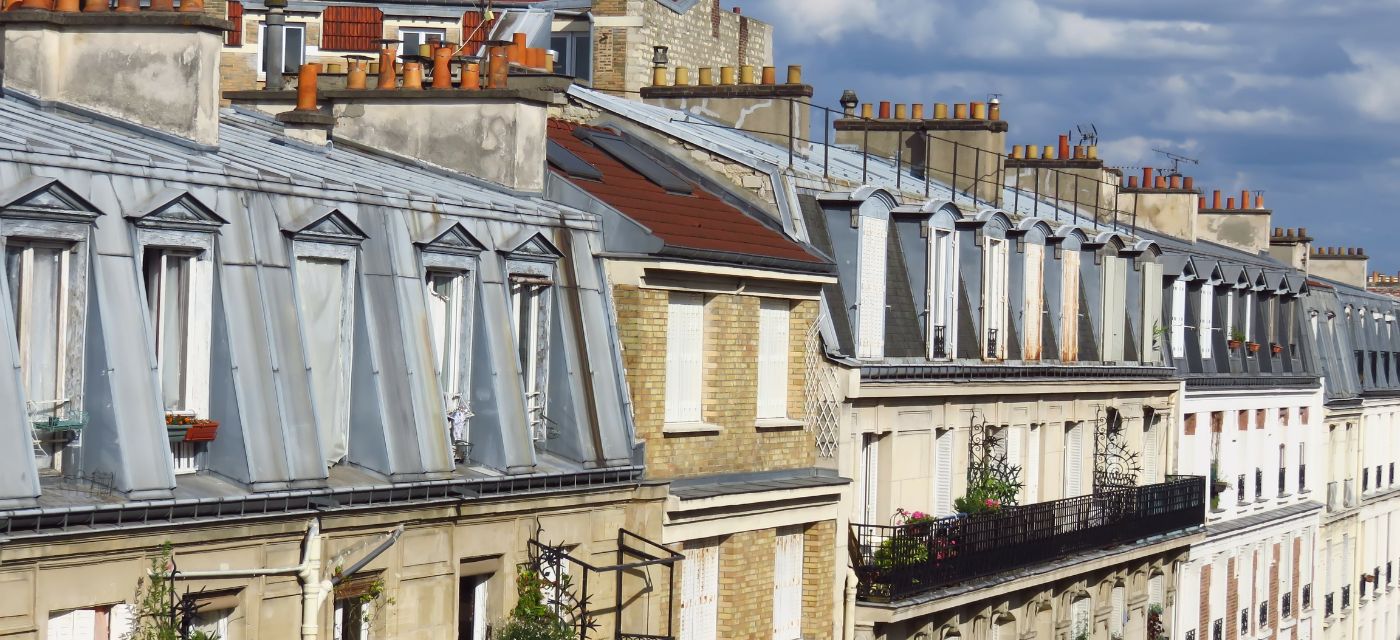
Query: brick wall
1203,624
730,387
1297,577
1275,616
1232,602
706,35
745,597
818,560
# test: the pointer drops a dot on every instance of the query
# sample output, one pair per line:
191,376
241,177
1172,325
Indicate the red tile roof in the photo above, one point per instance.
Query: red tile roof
699,221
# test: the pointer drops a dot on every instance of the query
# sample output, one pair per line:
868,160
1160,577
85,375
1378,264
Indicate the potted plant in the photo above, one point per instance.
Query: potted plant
1276,348
1236,339
1155,629
184,427
1252,346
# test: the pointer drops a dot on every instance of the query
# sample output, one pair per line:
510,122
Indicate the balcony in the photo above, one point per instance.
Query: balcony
897,562
1333,497
1346,597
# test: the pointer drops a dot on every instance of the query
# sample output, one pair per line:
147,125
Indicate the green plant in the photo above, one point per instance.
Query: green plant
1081,631
1236,334
987,493
532,618
159,609
1155,630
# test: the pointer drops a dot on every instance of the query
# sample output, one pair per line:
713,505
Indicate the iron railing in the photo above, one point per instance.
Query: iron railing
1286,606
991,344
1239,489
1365,479
1258,483
898,561
1346,597
1327,608
940,342
1302,478
1306,597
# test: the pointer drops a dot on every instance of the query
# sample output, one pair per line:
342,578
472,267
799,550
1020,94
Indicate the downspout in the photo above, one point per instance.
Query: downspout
848,621
310,578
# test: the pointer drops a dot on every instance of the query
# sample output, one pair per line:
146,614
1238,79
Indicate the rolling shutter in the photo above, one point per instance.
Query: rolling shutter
772,358
870,310
684,331
700,591
787,585
121,622
1179,319
351,28
234,37
943,473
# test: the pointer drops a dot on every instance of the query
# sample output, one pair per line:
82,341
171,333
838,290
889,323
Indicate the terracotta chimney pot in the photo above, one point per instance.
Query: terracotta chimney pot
1188,183
471,76
66,6
95,6
498,71
412,75
884,110
746,74
1302,232
1230,203
901,112
1018,151
707,76
387,74
1161,182
940,111
1064,146
161,5
918,111
1079,152
192,6
306,86
1176,182
658,77
1048,153
1032,151
867,111
959,111
516,53
1202,204
1259,201
682,76
769,76
977,110
1132,182
355,77
1215,200
128,6
794,74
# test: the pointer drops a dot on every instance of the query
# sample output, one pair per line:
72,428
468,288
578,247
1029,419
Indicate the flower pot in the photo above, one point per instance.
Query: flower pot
1234,344
202,431
1252,346
1276,348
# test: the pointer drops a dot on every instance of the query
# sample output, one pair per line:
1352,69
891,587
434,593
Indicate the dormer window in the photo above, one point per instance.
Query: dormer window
1069,304
994,288
530,274
449,284
943,293
1206,330
1034,300
870,309
43,232
326,254
1178,319
1114,299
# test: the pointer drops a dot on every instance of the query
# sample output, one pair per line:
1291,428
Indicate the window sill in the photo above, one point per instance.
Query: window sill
777,423
689,427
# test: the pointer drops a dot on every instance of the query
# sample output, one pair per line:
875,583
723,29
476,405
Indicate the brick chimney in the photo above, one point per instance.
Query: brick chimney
156,69
751,99
1347,265
954,147
1242,224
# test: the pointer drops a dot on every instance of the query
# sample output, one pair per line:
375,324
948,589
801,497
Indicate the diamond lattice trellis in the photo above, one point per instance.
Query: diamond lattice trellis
823,404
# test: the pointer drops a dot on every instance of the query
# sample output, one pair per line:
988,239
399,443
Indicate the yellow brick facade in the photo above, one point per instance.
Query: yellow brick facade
730,386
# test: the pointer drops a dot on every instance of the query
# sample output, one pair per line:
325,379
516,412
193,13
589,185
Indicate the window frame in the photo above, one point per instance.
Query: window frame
995,283
348,257
570,55
423,32
942,293
261,56
872,263
684,405
774,370
534,374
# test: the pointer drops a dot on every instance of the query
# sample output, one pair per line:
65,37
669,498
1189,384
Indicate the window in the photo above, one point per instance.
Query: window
1079,618
994,299
1178,319
1155,593
293,46
700,590
1151,450
93,623
573,54
449,301
1115,289
870,309
529,302
787,585
415,38
943,294
169,282
869,475
773,347
685,328
351,623
38,276
1206,328
1034,301
471,607
325,295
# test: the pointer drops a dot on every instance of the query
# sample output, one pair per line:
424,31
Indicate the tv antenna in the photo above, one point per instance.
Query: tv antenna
1089,136
1176,159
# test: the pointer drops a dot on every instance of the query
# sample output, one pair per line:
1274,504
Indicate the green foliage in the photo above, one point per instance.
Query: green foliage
1081,631
158,610
533,618
1155,629
987,493
901,550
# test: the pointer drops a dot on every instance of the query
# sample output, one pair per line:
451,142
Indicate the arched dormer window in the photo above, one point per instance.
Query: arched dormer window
872,221
449,287
1031,240
327,248
943,282
43,233
530,269
1112,298
995,284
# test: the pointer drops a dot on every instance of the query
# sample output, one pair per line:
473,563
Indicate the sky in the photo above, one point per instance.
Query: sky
1298,98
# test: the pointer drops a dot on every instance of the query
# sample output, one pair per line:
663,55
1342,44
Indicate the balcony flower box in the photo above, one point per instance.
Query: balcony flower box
186,428
1252,346
1234,344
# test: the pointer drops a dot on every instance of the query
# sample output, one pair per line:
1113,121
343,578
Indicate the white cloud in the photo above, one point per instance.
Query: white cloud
1140,150
1373,90
1210,118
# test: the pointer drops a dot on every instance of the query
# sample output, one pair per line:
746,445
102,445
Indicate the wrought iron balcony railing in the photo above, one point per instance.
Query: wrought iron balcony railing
940,342
991,344
1286,606
1327,609
1346,597
1302,478
899,561
1306,596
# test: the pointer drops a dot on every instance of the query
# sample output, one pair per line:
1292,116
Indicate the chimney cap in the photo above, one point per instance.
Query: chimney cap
660,55
849,100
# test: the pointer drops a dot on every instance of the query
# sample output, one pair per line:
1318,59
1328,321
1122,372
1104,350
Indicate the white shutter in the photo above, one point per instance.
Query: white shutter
870,476
1114,288
1206,330
994,297
1079,616
942,294
870,309
121,621
700,591
1151,311
1154,590
787,586
684,341
943,473
1179,319
198,336
479,596
773,317
61,626
1033,465
1074,460
338,631
1069,305
1119,605
1150,454
84,624
1014,440
1034,301
950,292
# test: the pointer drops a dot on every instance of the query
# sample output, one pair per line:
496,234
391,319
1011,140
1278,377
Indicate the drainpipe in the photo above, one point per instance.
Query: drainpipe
848,623
310,578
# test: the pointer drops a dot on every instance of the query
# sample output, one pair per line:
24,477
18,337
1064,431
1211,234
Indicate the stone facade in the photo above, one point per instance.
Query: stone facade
706,35
730,387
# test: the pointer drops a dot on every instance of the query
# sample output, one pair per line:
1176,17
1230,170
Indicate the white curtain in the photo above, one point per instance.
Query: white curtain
323,297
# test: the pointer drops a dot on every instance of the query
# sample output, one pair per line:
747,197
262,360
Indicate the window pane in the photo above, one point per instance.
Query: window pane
324,301
35,281
560,46
295,46
582,56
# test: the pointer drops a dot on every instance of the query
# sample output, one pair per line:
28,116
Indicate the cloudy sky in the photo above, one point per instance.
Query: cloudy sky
1299,98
